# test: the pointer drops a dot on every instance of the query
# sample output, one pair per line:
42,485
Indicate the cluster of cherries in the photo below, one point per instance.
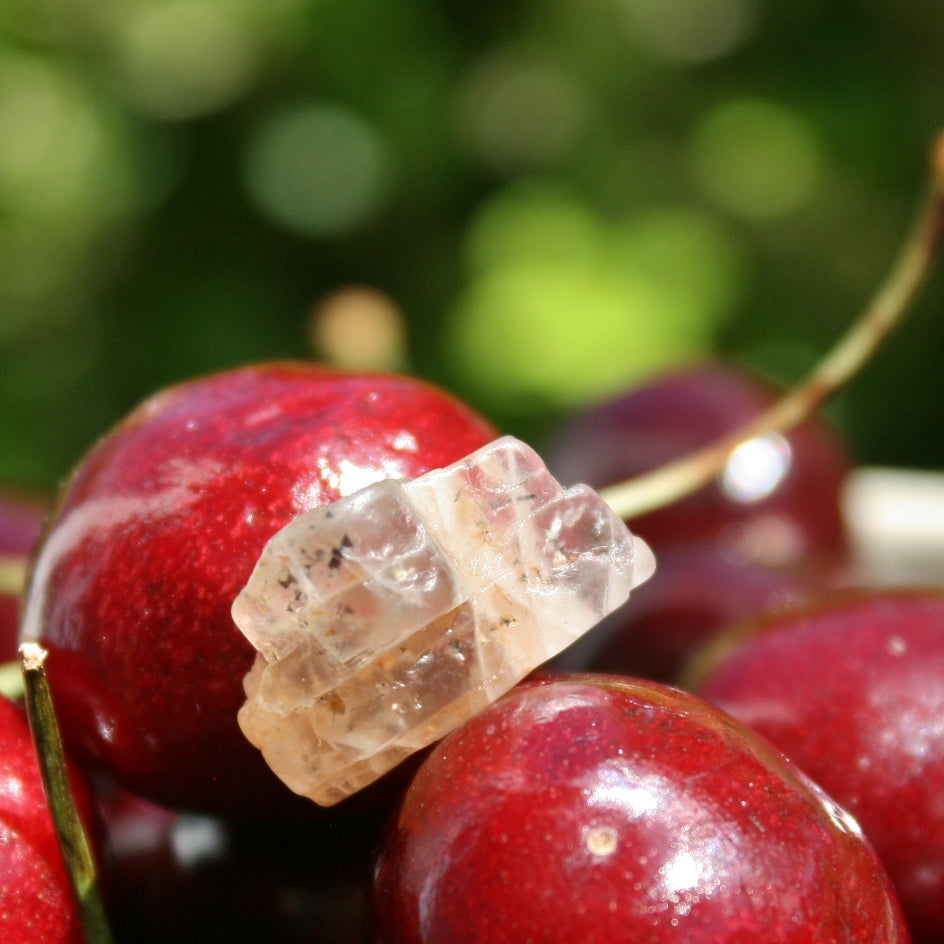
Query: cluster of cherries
593,803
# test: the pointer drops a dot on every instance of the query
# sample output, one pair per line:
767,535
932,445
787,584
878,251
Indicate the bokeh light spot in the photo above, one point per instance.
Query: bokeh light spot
514,113
359,328
50,139
531,221
690,30
756,468
537,329
756,158
185,58
318,169
689,255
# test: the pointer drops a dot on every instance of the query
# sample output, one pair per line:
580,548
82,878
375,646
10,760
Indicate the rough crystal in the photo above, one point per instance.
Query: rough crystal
388,618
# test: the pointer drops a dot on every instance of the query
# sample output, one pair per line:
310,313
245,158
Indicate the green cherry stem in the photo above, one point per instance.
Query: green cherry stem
886,309
73,840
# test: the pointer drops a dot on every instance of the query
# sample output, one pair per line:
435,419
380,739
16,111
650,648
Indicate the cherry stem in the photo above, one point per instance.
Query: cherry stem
13,568
73,839
887,308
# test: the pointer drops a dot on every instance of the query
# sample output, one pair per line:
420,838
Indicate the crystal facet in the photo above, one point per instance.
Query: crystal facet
388,618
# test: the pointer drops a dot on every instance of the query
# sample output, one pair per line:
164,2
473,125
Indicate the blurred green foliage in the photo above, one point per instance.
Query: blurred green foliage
558,196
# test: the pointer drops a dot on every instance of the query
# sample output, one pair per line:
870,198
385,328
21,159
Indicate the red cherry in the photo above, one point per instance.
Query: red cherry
605,810
778,501
852,689
36,902
158,529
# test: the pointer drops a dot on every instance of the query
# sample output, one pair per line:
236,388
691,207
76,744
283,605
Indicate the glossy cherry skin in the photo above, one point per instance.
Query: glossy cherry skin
853,691
36,903
776,505
20,523
158,529
605,810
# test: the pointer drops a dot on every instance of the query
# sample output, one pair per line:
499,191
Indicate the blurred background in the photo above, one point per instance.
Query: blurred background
532,203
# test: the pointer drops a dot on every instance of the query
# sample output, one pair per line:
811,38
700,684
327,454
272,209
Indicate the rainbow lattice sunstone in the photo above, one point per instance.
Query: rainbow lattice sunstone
388,618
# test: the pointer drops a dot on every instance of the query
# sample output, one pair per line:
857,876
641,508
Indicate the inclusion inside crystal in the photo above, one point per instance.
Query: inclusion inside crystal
388,618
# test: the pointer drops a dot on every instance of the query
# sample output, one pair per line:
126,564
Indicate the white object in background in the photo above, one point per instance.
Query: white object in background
895,519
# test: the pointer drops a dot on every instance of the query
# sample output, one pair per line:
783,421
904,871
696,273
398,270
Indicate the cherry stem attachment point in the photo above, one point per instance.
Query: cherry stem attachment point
73,839
887,308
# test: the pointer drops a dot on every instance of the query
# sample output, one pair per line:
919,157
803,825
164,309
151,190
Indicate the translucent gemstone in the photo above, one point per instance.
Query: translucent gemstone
388,618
